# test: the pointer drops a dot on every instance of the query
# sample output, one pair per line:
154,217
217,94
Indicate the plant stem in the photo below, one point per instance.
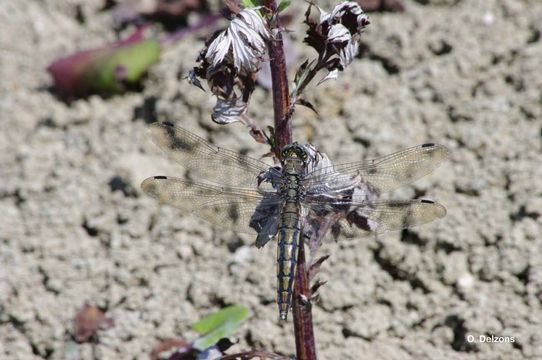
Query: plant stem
281,97
302,309
303,328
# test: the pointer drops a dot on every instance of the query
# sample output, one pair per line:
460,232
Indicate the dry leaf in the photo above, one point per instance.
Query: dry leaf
88,321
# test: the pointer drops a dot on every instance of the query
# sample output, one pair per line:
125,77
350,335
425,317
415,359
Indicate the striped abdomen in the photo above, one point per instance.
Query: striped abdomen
287,245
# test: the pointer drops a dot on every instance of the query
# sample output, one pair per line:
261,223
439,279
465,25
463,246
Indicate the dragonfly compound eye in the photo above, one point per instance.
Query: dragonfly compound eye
294,151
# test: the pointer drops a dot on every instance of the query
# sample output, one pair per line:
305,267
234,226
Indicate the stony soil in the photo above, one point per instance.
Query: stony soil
76,228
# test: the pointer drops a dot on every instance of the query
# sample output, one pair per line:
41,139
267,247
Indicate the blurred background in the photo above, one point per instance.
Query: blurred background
75,227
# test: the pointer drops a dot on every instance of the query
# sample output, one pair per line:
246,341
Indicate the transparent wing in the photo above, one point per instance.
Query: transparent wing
240,210
383,174
358,219
207,162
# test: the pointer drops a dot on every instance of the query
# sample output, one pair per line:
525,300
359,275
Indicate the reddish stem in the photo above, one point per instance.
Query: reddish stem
281,97
302,309
303,328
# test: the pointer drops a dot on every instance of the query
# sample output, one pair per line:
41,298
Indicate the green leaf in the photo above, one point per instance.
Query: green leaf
283,5
250,3
218,325
130,62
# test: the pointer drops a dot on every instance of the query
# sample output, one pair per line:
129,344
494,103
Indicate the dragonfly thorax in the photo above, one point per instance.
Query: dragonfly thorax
294,164
294,151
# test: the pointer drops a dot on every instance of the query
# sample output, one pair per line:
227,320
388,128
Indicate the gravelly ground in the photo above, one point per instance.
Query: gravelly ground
75,228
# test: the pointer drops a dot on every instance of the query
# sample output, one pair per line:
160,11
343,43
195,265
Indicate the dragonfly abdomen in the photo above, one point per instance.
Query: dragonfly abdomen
286,256
289,234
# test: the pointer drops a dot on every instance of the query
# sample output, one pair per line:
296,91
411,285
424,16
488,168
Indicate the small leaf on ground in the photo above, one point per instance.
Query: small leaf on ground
88,321
218,325
105,70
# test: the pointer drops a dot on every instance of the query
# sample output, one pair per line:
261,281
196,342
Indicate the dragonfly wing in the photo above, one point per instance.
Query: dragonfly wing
206,161
358,219
382,175
241,210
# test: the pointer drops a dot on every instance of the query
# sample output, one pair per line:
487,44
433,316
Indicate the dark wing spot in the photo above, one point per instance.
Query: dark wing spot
428,201
167,123
372,170
428,145
160,177
180,141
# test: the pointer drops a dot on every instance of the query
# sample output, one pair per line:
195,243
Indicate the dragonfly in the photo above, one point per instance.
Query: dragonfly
305,195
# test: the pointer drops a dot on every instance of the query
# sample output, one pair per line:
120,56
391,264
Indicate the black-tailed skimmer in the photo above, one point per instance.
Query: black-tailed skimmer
306,195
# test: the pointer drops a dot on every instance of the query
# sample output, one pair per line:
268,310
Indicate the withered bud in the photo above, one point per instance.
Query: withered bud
229,63
336,35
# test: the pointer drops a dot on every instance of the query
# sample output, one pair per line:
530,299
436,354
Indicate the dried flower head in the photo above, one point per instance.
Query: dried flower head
336,35
229,63
243,42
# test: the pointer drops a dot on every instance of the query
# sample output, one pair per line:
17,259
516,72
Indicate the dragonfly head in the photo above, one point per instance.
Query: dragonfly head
294,151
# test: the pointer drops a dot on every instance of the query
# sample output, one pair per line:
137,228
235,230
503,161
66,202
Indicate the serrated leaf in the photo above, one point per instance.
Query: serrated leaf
218,325
228,111
283,5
